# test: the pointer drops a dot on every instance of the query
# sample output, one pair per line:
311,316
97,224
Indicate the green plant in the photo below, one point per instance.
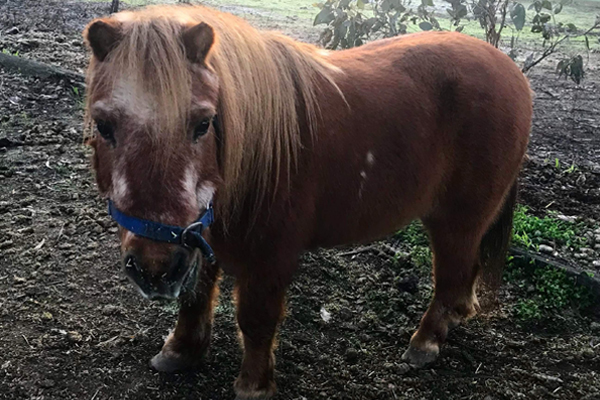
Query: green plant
413,234
571,169
79,97
415,237
527,309
530,231
420,256
347,23
6,51
548,290
350,23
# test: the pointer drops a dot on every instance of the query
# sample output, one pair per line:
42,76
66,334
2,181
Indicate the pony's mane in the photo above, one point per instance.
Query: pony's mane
268,88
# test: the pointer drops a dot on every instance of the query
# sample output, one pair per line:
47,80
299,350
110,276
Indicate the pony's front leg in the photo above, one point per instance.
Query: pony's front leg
186,346
260,308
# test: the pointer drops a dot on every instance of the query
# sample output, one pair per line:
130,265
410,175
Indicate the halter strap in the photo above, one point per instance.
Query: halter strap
190,236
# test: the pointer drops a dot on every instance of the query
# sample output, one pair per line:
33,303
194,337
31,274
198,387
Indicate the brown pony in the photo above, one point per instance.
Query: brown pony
310,148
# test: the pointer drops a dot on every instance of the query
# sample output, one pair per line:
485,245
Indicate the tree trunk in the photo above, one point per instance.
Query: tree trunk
114,7
38,69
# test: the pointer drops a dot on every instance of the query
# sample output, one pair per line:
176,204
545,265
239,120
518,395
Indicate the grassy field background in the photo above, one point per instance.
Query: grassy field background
582,13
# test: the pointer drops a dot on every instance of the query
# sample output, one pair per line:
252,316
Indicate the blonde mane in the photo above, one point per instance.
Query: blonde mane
265,79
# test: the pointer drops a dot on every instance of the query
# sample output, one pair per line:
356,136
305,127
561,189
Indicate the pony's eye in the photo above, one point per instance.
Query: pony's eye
106,130
201,128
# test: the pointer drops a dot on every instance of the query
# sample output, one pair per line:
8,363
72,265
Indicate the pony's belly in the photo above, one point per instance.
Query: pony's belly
370,221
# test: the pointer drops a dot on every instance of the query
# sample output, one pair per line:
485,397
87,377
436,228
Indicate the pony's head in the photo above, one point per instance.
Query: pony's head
156,80
152,99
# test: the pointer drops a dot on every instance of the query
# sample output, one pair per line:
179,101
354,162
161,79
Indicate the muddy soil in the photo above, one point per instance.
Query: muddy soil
72,327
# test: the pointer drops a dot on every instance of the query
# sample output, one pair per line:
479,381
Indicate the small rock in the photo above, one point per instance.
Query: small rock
46,316
530,289
47,383
595,327
546,249
586,250
74,336
345,314
12,31
111,310
588,353
325,315
403,368
566,218
351,355
6,244
540,392
596,263
409,285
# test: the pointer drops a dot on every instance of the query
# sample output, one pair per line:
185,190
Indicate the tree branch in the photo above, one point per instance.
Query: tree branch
552,49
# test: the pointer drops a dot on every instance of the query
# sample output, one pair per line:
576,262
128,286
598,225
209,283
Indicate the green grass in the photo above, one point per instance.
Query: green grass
416,239
414,234
530,231
6,51
303,12
546,290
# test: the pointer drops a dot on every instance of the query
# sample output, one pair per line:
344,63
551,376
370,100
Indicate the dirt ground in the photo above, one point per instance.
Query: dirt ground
72,327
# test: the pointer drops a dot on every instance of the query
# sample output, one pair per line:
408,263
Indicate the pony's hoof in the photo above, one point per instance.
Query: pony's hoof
246,391
172,362
418,358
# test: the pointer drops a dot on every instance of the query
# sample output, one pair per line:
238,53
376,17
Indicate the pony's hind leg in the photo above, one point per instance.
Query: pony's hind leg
260,308
187,345
455,267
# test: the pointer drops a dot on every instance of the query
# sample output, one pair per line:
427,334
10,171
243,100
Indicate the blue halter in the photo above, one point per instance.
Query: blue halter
190,236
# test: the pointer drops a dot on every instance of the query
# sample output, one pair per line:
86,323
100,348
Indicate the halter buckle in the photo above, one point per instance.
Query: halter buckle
189,236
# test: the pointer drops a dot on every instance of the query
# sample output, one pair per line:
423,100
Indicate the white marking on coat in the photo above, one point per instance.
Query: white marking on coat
363,176
205,194
370,160
190,181
127,238
129,97
197,197
120,188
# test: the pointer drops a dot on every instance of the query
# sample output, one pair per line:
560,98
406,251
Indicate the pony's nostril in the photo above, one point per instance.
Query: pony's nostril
179,259
130,262
178,266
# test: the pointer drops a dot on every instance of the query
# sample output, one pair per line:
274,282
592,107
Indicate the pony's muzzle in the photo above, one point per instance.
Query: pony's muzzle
161,279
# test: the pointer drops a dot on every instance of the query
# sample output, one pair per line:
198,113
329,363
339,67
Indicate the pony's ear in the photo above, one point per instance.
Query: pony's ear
102,35
198,40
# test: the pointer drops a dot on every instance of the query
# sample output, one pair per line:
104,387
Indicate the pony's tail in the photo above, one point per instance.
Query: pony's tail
494,245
